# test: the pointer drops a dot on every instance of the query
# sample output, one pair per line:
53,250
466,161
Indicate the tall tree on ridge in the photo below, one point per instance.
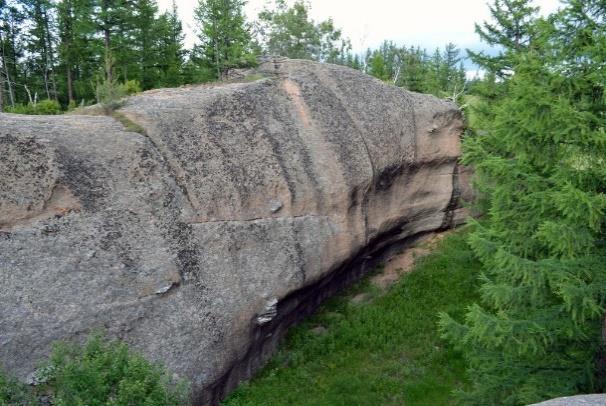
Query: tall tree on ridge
289,31
80,48
171,47
145,38
225,39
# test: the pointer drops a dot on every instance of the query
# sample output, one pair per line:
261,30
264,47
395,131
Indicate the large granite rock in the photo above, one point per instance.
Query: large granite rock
580,400
241,207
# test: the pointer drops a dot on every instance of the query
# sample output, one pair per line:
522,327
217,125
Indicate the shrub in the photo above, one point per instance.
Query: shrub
107,373
19,108
72,105
13,392
99,373
47,107
109,94
130,87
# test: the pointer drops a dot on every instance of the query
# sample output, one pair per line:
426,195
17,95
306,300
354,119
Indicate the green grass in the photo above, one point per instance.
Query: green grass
386,352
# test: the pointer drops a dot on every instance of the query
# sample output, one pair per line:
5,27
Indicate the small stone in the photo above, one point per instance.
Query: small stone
271,311
162,290
275,206
360,298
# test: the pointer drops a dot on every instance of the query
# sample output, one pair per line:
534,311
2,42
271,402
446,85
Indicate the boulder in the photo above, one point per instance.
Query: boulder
580,400
234,213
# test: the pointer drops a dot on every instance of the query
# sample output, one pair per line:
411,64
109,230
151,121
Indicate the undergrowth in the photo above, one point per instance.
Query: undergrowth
385,352
100,372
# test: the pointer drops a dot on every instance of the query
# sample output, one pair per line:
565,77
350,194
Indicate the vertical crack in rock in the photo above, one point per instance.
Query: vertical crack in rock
172,169
329,83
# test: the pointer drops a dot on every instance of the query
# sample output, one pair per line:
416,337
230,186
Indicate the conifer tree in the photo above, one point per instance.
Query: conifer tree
290,31
12,17
225,39
171,52
145,37
536,334
512,30
40,47
80,49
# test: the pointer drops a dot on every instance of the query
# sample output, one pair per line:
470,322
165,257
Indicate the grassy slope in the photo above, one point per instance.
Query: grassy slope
385,352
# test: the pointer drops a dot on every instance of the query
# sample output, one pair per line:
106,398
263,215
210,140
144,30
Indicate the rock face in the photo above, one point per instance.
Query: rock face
581,400
240,209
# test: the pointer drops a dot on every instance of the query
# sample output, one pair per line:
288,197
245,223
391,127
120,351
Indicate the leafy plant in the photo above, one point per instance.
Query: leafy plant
43,107
14,393
130,87
106,373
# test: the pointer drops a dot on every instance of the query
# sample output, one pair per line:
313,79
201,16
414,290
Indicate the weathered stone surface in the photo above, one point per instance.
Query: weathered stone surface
581,400
240,209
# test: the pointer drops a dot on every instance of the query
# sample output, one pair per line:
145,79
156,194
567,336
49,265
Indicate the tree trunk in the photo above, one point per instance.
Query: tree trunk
70,85
11,94
1,92
29,94
109,74
2,75
45,76
108,56
4,66
51,57
600,361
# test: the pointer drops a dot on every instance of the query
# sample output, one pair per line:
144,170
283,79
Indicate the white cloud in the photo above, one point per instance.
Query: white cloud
428,23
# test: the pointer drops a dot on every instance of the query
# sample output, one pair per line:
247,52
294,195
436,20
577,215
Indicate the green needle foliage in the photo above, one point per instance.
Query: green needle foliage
290,32
225,39
539,160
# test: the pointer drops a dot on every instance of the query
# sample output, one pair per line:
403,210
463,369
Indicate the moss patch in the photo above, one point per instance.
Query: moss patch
128,124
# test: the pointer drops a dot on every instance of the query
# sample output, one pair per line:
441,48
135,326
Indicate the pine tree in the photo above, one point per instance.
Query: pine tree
450,73
415,70
225,39
80,48
12,17
539,162
170,48
433,80
114,22
377,66
145,37
290,31
40,47
512,30
3,80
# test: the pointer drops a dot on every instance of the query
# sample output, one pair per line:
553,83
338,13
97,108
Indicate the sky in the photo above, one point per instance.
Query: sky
427,23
